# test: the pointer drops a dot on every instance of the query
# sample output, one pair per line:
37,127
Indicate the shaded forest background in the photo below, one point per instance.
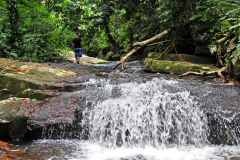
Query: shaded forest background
38,30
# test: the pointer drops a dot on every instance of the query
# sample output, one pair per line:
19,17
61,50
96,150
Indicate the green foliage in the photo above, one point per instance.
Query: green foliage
42,27
225,16
37,34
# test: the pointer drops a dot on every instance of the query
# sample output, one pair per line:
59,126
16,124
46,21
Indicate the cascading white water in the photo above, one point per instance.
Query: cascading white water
145,114
157,119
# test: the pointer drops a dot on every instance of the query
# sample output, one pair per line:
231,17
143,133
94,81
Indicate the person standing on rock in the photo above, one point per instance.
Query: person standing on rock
77,42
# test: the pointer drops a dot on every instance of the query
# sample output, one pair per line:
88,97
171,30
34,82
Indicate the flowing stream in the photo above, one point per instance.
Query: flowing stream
134,116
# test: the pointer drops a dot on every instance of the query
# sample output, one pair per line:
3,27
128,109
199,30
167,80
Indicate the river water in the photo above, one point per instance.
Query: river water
150,116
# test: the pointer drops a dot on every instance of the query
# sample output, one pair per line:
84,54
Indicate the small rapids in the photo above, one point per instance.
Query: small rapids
142,118
145,114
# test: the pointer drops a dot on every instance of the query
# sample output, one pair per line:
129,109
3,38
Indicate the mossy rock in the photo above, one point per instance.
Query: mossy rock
184,57
177,67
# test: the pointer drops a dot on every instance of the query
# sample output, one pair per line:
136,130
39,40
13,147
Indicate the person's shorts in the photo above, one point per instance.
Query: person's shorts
78,52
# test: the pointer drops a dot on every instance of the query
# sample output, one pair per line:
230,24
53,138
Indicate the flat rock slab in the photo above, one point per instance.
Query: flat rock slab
177,67
43,90
18,76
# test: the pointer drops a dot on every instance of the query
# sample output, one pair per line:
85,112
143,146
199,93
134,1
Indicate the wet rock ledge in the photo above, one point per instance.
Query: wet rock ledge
34,96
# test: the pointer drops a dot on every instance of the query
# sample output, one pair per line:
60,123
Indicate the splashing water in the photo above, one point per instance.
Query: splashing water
147,120
146,114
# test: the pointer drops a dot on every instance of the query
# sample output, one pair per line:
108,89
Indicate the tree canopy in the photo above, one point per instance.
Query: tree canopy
34,30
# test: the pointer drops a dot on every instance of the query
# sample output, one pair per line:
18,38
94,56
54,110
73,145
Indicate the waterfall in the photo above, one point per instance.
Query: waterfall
122,117
155,113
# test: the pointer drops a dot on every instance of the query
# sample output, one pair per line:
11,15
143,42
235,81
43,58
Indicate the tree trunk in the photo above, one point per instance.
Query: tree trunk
13,20
110,38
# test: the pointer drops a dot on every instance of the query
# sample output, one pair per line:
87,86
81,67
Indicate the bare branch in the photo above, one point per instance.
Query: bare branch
202,73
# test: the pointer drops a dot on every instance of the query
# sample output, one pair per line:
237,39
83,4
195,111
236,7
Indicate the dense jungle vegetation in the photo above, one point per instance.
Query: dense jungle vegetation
38,29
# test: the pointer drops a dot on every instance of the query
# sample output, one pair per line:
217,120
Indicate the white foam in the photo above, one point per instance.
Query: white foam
98,152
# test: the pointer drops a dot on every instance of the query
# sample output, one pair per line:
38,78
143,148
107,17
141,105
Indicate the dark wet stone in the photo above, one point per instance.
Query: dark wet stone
184,57
202,51
115,57
237,71
17,127
4,127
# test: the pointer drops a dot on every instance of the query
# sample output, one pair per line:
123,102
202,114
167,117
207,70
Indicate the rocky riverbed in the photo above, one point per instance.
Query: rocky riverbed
53,108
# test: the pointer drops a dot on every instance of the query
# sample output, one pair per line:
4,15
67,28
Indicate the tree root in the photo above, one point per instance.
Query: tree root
203,73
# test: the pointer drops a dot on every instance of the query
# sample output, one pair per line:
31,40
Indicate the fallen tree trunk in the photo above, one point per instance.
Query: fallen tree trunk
153,38
124,58
141,45
202,73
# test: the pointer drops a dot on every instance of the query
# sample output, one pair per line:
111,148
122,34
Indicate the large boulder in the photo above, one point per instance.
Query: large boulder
184,57
177,67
